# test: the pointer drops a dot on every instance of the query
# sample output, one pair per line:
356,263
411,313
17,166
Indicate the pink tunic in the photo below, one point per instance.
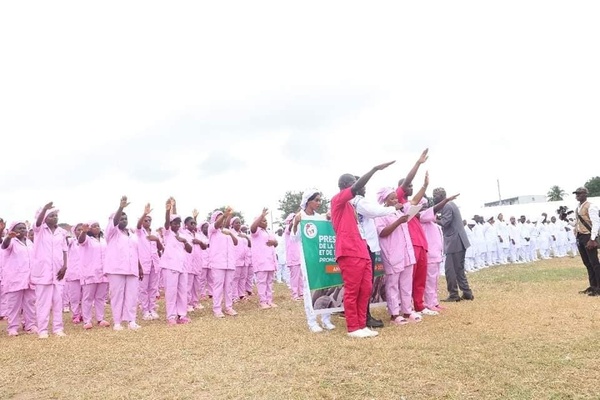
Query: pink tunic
396,250
434,235
292,248
148,251
194,259
122,257
73,261
48,254
174,257
17,260
221,250
240,250
203,253
93,260
264,257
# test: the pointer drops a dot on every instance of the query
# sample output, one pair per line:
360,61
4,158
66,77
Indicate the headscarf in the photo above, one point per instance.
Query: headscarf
307,195
14,224
383,193
215,215
233,220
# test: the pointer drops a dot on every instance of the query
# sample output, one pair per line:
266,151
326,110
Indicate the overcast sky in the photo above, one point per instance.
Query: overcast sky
235,103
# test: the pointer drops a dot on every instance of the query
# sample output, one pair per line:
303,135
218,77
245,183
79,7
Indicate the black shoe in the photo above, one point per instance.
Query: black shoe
586,291
374,323
451,299
468,297
593,292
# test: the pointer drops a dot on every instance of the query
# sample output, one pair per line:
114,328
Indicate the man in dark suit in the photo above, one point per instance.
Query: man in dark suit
455,247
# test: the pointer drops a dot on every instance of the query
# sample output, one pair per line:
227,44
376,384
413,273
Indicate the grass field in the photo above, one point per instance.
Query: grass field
527,335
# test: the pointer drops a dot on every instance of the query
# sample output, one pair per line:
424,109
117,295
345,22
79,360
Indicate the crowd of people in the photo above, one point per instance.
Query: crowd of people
46,271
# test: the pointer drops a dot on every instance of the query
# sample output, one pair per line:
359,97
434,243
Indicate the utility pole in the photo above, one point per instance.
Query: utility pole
499,195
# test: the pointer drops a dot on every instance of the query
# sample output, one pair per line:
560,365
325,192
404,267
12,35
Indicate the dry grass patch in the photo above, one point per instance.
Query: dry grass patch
527,335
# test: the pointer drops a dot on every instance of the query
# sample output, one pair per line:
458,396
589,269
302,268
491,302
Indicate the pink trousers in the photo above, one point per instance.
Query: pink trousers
250,279
398,291
17,302
264,283
123,290
73,292
238,286
205,282
48,299
193,289
222,279
296,281
431,285
148,290
94,296
176,293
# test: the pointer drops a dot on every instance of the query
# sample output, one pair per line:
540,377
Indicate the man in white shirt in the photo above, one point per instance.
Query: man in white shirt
503,245
367,210
587,225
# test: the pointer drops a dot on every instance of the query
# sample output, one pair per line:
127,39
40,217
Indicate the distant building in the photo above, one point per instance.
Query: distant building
518,200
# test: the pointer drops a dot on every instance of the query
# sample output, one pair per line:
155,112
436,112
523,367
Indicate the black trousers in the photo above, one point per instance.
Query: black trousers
590,260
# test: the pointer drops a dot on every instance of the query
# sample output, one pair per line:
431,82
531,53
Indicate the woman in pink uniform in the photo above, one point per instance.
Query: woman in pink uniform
264,259
17,254
72,291
94,282
173,264
150,248
122,268
205,275
48,270
398,258
221,253
194,263
238,286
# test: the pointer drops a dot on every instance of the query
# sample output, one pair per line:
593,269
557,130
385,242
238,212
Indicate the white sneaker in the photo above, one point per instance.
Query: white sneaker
154,315
329,326
43,335
147,316
66,309
199,307
427,311
133,326
60,333
370,332
190,308
315,329
360,333
118,327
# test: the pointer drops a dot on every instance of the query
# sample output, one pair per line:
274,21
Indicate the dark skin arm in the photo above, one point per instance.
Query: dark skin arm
362,181
119,212
169,206
392,227
417,198
413,172
147,210
254,226
40,219
159,245
83,235
7,240
442,203
61,273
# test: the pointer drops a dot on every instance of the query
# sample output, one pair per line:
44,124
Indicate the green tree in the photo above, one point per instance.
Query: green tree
555,193
291,204
235,214
593,185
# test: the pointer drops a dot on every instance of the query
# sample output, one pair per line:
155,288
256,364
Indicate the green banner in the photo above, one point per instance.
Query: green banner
322,274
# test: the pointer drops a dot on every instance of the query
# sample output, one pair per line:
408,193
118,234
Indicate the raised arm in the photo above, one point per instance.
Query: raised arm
413,172
442,203
119,212
168,209
417,197
82,236
6,242
40,219
147,210
257,221
362,181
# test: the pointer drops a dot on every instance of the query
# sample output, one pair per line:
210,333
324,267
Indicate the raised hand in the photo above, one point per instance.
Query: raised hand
169,204
195,213
124,203
424,156
228,211
85,228
453,197
265,212
147,209
384,165
12,234
48,206
426,182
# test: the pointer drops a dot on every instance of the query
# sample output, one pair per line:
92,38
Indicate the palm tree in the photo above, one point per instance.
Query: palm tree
555,193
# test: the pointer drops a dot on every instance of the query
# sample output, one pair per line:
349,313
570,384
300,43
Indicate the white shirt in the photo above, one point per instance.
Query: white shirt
367,210
594,217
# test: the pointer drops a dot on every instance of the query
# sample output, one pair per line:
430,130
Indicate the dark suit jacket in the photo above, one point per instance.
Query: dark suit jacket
455,237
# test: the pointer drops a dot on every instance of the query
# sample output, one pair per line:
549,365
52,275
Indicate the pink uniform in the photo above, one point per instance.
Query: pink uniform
93,279
174,265
205,275
150,261
435,254
19,292
49,253
72,291
240,277
194,271
221,255
122,270
265,265
292,256
398,258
